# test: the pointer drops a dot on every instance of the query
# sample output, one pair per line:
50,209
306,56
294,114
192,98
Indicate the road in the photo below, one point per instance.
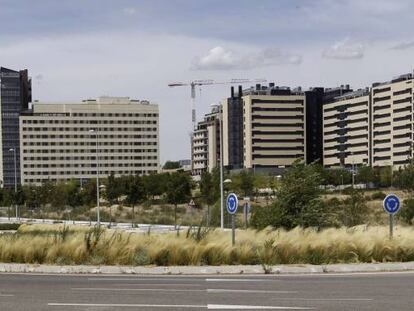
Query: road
380,291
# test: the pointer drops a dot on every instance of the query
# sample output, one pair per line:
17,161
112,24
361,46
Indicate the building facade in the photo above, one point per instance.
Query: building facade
61,141
15,96
392,122
205,144
346,130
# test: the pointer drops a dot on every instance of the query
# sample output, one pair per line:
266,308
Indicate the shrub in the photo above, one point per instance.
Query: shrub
407,211
378,195
9,226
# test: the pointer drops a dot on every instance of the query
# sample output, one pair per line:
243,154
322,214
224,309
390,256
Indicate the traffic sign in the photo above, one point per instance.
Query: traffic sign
391,204
232,203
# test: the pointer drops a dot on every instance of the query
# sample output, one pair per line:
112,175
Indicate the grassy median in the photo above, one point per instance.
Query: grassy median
58,244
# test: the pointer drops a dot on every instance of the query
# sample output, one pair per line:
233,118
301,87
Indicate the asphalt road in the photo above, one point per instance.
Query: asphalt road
381,291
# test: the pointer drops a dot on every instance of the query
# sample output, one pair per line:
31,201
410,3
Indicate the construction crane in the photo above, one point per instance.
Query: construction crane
195,83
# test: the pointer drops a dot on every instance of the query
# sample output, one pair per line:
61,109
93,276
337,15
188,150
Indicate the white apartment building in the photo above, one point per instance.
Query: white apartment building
61,141
205,144
273,129
392,122
346,130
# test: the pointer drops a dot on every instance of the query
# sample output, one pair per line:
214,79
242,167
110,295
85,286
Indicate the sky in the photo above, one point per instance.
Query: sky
78,49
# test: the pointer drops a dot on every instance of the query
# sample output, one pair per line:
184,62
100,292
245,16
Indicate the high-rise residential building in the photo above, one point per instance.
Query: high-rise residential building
205,154
15,96
346,130
267,128
61,141
392,122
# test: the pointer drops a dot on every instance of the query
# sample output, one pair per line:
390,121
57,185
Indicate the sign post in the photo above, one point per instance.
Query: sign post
391,205
232,203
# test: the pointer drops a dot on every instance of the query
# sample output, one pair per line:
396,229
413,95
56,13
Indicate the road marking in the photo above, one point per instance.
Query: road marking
6,295
165,279
327,299
209,306
256,291
239,280
244,307
136,289
121,305
158,284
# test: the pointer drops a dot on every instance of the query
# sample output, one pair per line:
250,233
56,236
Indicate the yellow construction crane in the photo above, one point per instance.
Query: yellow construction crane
195,83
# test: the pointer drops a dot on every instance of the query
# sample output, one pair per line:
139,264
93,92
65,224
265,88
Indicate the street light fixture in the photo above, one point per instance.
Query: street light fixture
15,179
98,218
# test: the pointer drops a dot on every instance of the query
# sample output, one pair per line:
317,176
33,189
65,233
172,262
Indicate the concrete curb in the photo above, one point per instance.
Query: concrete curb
208,270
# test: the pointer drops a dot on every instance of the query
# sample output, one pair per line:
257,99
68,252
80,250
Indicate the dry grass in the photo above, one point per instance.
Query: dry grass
79,245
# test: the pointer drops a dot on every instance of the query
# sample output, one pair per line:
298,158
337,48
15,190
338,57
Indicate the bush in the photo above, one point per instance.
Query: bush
9,226
407,211
379,195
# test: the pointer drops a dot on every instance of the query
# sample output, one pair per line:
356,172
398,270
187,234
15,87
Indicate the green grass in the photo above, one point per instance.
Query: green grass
58,244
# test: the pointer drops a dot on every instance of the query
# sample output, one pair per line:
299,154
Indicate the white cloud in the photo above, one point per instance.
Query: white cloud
344,49
403,45
219,58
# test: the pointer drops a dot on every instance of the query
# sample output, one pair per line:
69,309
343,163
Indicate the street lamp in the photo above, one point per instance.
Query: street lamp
98,218
15,179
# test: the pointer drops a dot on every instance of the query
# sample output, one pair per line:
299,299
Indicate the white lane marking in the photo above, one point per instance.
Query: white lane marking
328,299
239,280
209,306
6,295
121,305
246,307
165,279
158,284
255,291
347,274
136,289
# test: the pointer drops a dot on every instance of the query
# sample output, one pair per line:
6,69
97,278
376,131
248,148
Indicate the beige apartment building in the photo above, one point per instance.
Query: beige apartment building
346,130
205,145
392,122
273,129
272,122
60,141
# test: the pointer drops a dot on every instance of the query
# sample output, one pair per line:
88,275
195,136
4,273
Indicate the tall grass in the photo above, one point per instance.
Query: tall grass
60,244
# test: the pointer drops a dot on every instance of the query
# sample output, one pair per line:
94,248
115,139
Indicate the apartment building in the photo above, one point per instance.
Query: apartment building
61,141
346,129
15,96
205,145
392,122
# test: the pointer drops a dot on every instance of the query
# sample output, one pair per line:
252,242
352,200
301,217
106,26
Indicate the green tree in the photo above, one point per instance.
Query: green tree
207,192
155,184
170,165
407,211
246,183
365,175
178,190
298,201
354,211
135,193
113,189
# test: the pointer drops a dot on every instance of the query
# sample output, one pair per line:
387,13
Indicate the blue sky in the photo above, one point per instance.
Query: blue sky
86,48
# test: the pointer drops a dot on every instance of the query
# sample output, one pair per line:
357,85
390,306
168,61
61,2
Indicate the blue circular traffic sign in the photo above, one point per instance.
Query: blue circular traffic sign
391,204
232,203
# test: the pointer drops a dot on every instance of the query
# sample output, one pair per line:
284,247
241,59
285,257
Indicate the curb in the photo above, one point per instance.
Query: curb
208,270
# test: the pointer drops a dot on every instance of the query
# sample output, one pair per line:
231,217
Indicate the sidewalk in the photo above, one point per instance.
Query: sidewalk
208,270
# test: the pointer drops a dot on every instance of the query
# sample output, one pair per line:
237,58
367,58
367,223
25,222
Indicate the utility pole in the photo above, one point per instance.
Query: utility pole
98,218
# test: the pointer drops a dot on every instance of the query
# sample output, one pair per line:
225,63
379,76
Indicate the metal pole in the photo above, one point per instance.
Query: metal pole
391,225
221,172
233,230
97,179
353,175
15,182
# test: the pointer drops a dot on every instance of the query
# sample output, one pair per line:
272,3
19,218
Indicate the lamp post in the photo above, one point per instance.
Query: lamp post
98,218
15,179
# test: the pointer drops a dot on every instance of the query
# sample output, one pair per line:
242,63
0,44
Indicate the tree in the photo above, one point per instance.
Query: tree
113,189
298,201
155,184
246,183
207,192
135,192
354,210
178,190
365,175
170,165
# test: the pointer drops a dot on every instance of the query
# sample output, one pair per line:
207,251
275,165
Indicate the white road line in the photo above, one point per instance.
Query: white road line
244,307
122,305
158,284
6,295
165,279
347,274
255,291
136,289
209,306
239,280
327,299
